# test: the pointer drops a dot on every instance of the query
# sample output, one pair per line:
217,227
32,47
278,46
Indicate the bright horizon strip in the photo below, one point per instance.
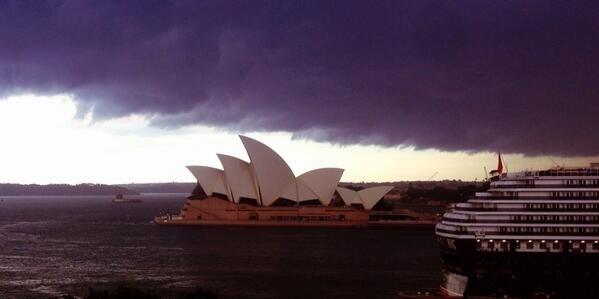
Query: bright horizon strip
44,142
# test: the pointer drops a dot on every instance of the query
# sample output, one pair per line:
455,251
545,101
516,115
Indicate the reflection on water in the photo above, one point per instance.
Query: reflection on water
51,246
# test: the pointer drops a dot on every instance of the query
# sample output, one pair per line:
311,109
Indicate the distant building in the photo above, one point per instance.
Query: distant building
265,191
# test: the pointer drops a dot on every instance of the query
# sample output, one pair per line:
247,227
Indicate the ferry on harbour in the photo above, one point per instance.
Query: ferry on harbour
120,198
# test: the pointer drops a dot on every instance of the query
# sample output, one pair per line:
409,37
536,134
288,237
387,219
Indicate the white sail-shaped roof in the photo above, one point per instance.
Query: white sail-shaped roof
240,178
322,182
371,196
299,191
267,178
348,196
291,191
211,179
304,192
368,197
272,173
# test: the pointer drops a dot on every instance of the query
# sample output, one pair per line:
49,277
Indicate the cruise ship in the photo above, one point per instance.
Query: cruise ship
532,233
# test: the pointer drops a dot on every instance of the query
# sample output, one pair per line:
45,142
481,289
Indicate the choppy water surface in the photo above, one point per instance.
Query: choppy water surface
53,246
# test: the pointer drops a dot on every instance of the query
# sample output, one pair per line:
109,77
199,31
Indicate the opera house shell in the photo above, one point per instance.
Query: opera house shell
266,192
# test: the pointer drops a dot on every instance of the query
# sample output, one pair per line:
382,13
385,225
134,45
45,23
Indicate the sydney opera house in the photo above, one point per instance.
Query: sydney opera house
265,192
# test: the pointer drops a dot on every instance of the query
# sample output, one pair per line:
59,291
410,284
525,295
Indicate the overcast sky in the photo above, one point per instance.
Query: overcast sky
107,91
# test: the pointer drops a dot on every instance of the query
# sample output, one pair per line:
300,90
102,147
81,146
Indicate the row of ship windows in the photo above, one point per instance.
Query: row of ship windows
567,218
532,206
575,194
565,172
529,218
562,206
550,230
531,183
581,182
505,245
528,245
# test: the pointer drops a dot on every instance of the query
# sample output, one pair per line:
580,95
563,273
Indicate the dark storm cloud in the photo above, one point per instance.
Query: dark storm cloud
518,76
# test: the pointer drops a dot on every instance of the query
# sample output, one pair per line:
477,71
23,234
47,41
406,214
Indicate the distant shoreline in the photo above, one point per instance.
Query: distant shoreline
409,187
63,190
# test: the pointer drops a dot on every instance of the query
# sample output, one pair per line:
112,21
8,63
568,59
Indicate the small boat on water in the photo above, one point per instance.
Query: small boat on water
120,198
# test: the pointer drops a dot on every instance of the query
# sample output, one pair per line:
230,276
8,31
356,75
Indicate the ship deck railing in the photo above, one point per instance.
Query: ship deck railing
533,197
503,221
563,186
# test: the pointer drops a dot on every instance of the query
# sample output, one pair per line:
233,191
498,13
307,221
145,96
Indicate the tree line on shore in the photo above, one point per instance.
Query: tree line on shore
459,194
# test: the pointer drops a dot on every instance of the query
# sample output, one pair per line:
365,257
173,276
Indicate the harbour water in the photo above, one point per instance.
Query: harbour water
57,245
